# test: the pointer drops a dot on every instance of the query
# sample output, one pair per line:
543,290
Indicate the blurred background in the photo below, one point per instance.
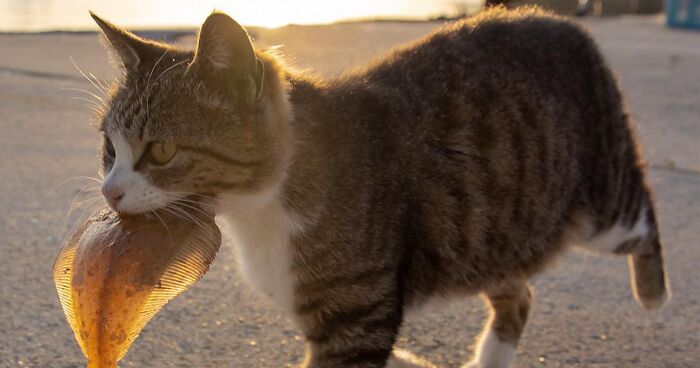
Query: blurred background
52,70
32,15
43,15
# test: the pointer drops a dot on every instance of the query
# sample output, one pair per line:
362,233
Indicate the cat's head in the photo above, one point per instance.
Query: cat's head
184,124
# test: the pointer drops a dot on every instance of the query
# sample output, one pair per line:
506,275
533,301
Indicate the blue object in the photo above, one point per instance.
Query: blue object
683,13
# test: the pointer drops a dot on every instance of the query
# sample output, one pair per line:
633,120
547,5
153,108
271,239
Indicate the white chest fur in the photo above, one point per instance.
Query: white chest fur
261,228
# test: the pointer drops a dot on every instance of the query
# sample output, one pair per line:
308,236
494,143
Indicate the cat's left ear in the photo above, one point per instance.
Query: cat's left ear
224,49
131,49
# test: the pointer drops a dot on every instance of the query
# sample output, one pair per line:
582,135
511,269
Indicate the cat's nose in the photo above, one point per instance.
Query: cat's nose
113,194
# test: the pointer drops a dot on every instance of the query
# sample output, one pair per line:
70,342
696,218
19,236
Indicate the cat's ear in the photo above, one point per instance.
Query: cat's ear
131,49
224,48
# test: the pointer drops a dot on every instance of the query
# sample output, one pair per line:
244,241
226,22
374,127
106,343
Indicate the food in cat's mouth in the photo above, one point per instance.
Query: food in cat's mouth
113,275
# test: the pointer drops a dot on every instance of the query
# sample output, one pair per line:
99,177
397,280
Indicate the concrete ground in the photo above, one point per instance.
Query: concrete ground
584,315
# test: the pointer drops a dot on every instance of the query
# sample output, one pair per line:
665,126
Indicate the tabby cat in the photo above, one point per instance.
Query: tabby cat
460,164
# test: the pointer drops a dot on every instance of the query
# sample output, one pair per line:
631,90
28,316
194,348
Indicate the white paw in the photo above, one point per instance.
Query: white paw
492,353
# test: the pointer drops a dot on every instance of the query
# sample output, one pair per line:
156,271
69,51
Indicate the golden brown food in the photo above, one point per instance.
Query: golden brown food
114,274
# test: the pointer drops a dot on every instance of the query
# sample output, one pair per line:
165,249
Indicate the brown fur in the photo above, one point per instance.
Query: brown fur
456,165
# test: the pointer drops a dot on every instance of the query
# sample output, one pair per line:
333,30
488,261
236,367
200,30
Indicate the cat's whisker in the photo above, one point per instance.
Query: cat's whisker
181,215
75,204
74,178
97,113
86,194
164,225
193,217
83,197
147,90
96,97
91,193
148,81
89,210
193,194
98,109
99,187
117,82
97,106
87,202
90,102
79,222
86,77
200,203
207,211
104,88
169,68
179,212
194,208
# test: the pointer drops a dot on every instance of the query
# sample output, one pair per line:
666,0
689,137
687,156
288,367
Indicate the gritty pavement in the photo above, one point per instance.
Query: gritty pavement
584,314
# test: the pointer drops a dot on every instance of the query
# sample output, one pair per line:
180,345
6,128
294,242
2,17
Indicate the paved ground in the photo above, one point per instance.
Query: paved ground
584,315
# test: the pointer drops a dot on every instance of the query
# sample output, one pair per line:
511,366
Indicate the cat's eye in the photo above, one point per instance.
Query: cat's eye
162,152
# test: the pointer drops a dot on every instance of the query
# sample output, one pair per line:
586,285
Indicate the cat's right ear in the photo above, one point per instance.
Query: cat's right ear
224,50
130,48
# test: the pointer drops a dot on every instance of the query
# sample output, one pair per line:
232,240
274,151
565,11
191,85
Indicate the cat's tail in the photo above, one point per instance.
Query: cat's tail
646,261
647,273
640,242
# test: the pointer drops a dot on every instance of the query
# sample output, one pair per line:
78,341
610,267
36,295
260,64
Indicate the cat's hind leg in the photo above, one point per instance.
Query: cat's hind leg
510,305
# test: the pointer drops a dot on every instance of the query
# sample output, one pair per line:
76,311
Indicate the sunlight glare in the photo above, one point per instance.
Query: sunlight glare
275,13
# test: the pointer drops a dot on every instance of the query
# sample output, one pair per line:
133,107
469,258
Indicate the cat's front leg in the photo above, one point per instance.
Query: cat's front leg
351,331
510,305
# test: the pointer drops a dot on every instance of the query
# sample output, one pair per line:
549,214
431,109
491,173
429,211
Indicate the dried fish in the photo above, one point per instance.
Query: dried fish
114,274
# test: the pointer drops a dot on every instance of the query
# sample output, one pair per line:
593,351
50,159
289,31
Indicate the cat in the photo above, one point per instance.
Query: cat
457,165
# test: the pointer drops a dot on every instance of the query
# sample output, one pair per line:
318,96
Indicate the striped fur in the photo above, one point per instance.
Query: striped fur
460,164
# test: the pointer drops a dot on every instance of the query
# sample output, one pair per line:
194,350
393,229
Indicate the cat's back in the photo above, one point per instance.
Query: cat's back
489,123
482,46
525,66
